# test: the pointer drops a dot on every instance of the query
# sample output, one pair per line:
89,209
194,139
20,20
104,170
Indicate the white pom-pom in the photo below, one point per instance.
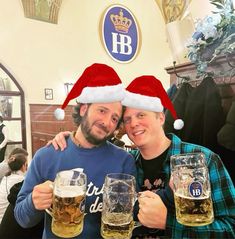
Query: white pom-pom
178,124
59,114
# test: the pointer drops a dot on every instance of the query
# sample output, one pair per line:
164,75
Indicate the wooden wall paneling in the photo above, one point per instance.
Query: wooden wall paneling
44,126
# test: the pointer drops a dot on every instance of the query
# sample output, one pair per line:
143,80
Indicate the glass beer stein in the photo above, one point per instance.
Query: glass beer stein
192,192
118,200
68,206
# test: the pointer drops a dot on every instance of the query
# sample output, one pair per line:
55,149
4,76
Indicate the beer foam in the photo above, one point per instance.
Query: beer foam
69,191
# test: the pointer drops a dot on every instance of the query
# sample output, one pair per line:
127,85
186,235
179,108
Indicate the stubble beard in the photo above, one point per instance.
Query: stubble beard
86,130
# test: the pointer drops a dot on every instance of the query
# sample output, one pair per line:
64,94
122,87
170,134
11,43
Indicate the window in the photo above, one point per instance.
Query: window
12,108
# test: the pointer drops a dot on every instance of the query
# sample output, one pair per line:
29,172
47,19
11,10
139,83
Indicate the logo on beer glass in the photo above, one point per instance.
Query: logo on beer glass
192,192
69,192
195,189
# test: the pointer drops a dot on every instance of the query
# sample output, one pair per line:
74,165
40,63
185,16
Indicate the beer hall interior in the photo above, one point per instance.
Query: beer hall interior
46,44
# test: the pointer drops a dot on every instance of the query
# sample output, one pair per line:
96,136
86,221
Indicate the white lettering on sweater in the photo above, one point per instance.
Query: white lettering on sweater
93,190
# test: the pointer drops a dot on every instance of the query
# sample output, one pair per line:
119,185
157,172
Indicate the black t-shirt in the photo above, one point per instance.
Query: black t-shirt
154,180
154,176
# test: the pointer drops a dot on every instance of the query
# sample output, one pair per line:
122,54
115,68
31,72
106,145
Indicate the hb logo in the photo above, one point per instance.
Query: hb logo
195,189
120,34
121,25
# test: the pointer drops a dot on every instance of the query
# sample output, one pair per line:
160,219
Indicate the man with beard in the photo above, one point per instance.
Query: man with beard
143,120
99,91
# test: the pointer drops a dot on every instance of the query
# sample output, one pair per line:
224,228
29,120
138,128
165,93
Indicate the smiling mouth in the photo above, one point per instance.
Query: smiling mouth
138,133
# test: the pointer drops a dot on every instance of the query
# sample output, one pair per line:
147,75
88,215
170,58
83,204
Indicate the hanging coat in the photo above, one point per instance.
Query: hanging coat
204,115
179,101
226,135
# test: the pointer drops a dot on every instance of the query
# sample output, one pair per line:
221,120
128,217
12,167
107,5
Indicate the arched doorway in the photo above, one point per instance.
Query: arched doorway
12,108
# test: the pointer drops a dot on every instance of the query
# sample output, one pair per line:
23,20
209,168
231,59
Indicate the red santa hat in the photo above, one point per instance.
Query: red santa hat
147,93
98,83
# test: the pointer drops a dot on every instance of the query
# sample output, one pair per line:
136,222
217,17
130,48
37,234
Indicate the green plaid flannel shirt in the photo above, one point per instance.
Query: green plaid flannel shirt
222,193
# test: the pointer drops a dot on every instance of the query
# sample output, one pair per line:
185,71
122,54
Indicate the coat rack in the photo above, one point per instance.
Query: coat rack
222,70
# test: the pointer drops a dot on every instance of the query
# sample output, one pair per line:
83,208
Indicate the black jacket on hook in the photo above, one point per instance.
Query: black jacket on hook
179,101
204,115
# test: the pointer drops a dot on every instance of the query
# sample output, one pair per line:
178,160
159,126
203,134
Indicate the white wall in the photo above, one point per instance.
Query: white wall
43,55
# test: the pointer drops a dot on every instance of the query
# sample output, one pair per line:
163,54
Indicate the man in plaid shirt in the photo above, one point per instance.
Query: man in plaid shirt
144,119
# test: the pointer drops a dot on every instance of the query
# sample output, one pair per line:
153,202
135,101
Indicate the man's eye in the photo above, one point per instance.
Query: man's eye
126,121
141,116
101,111
115,120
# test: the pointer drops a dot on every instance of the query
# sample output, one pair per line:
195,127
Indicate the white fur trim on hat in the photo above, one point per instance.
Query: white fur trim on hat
143,102
102,94
178,124
59,114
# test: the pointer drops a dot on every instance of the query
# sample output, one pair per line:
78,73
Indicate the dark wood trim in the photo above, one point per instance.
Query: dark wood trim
12,77
22,105
10,93
219,65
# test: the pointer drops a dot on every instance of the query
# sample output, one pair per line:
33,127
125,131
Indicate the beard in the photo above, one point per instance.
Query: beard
86,129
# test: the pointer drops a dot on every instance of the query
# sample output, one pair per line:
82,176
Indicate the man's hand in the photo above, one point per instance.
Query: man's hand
42,195
152,212
59,141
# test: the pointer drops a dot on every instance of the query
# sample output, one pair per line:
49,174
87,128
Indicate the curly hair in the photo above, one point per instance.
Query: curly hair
77,118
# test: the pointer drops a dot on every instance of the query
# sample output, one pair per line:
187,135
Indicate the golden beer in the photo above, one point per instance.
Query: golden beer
68,213
117,225
194,211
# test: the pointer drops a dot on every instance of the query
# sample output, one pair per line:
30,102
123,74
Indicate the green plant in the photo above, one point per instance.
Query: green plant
214,36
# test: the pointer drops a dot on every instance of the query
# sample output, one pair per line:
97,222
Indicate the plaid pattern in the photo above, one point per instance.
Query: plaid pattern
222,193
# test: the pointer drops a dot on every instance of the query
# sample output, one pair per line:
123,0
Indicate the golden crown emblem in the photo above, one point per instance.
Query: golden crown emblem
121,24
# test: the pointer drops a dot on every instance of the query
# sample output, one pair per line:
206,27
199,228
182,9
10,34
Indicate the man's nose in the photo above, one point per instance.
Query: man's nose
133,122
106,120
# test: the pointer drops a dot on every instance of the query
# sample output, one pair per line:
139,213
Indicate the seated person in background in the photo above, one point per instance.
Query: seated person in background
4,168
18,166
9,228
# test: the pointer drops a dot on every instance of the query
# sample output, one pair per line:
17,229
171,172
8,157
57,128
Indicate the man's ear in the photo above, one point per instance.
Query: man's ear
162,117
83,109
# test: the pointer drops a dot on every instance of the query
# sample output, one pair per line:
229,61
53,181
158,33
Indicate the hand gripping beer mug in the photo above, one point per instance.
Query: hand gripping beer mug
69,192
192,190
118,200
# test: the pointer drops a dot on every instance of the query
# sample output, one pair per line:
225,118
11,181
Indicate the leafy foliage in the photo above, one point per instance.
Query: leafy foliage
214,36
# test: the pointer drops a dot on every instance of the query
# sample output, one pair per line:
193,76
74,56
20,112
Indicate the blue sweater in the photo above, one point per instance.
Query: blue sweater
96,162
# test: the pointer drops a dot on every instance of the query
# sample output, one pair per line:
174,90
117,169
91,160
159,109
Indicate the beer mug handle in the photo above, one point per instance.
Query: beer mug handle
49,211
137,224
